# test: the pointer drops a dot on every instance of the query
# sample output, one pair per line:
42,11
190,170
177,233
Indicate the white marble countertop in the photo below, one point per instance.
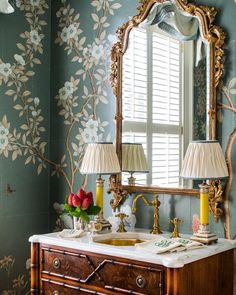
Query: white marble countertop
172,260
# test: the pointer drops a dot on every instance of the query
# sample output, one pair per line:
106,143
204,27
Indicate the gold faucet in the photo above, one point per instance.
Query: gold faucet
155,204
176,221
121,228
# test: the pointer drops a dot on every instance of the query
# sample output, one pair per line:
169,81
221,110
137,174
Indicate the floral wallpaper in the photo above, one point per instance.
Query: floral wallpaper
199,109
56,97
24,137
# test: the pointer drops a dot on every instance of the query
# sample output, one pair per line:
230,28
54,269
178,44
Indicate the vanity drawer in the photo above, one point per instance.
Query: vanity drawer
53,287
68,265
131,278
114,276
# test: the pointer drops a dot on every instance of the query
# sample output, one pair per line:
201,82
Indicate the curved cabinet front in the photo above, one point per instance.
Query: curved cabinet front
57,270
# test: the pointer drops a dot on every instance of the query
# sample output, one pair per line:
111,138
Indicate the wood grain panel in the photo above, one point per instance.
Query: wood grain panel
209,276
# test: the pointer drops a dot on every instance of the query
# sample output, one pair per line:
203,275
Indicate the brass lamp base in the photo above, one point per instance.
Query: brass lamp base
204,236
131,180
105,224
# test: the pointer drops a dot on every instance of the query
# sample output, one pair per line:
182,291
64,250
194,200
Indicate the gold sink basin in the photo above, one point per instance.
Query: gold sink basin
122,239
120,242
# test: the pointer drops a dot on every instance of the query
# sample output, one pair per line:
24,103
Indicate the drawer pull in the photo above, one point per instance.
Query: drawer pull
56,265
55,293
140,281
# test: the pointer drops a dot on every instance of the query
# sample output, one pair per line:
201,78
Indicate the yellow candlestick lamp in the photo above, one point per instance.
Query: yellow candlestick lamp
100,158
99,192
204,160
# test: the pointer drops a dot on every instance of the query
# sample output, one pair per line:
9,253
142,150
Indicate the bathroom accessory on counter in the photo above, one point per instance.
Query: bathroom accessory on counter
176,221
204,160
155,204
70,233
100,158
121,228
168,245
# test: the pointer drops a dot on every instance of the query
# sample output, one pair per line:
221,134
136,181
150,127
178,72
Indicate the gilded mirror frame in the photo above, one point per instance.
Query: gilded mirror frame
215,37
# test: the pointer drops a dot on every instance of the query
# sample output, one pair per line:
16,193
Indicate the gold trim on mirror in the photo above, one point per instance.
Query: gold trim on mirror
215,37
216,199
119,194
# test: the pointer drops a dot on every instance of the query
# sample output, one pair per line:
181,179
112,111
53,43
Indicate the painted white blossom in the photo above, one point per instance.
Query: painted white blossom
64,35
63,93
34,37
36,101
18,3
3,137
3,142
86,51
89,135
3,131
19,59
97,51
5,69
71,31
92,125
87,57
34,114
28,264
69,87
58,13
34,2
66,91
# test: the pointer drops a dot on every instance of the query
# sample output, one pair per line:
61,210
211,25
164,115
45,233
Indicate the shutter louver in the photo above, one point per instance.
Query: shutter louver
156,123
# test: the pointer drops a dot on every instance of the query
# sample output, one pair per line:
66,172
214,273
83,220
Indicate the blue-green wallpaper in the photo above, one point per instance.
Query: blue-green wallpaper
24,137
55,96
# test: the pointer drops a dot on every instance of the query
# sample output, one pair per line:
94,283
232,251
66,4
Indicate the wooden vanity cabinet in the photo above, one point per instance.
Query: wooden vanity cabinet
58,271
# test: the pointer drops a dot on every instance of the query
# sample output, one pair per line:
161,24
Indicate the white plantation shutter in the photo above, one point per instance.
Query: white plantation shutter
134,92
152,111
166,71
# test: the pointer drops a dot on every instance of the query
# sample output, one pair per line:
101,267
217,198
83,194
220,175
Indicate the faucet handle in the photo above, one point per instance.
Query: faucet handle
121,228
176,221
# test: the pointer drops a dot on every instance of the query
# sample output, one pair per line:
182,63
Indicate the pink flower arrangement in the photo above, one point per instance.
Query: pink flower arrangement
81,205
195,223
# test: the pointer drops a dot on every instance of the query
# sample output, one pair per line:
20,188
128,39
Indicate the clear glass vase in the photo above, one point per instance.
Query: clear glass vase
79,224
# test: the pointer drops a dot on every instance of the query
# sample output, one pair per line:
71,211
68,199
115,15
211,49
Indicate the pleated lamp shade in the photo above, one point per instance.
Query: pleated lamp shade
100,158
204,160
133,158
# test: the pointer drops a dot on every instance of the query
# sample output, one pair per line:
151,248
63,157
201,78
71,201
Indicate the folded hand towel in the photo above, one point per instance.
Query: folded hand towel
158,246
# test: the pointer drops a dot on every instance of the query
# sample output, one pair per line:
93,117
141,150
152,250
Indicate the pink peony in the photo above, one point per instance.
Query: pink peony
81,194
76,201
70,198
86,203
90,196
195,223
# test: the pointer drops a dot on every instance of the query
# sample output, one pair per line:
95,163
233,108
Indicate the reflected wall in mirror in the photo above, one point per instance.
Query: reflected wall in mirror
166,68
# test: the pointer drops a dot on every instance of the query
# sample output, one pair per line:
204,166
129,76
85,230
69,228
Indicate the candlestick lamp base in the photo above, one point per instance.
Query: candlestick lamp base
105,224
203,235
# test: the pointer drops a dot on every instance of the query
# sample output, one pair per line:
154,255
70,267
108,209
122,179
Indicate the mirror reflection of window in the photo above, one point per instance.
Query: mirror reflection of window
157,89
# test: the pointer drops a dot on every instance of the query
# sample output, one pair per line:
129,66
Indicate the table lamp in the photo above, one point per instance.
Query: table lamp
204,160
133,160
100,158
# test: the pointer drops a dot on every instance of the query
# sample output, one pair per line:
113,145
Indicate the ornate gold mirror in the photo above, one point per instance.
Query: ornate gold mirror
166,67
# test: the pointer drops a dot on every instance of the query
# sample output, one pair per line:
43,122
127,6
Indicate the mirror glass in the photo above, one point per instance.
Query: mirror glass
165,94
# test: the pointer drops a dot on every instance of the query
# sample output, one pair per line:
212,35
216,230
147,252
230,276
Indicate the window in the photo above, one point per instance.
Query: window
153,103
